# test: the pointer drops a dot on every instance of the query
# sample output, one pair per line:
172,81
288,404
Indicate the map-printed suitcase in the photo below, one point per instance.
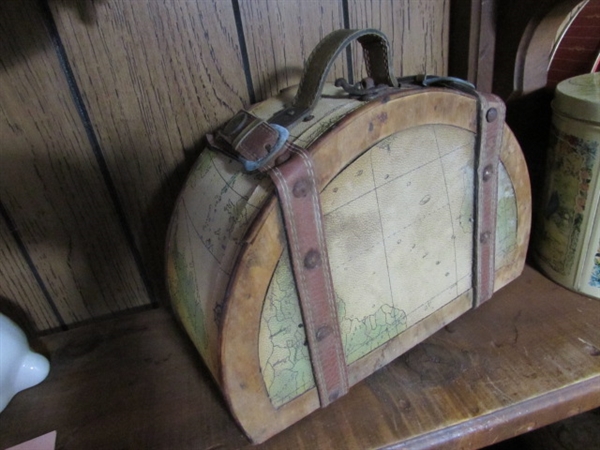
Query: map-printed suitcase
367,218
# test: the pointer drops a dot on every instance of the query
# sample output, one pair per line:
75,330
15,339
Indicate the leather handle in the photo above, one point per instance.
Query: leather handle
377,59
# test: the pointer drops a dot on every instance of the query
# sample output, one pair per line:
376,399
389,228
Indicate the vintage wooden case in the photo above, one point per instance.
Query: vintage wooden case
398,175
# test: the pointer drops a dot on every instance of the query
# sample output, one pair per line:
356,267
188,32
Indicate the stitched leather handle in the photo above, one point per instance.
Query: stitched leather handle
377,59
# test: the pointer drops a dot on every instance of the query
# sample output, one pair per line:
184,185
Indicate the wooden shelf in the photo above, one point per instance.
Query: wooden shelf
527,358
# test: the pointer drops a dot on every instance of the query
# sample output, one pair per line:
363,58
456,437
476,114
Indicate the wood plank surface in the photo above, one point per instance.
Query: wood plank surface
51,185
473,41
516,21
418,32
280,34
21,297
526,358
155,77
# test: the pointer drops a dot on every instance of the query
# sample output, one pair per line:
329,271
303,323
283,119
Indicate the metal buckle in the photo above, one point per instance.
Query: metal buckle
251,166
240,127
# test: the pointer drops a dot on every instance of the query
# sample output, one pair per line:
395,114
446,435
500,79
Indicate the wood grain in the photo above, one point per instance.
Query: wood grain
514,20
21,297
418,32
473,41
280,34
51,185
526,358
155,77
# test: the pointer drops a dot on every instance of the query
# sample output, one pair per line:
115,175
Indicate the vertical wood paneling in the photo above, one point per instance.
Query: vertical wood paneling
51,186
280,34
418,32
155,76
102,111
19,287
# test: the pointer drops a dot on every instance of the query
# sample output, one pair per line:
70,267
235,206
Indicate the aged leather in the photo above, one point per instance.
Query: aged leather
378,63
253,141
299,198
490,126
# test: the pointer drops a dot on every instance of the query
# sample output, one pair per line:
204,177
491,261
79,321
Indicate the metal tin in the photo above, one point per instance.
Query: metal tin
567,245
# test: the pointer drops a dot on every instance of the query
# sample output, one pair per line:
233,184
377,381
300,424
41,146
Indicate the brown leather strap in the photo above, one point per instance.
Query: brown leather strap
378,62
261,146
491,112
299,198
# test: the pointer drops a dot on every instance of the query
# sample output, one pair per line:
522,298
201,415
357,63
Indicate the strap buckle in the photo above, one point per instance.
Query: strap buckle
253,142
275,151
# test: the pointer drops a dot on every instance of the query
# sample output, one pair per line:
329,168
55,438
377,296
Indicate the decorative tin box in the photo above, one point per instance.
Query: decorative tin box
567,244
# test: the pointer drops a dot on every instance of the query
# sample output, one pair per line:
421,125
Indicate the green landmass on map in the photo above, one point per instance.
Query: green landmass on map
285,358
361,336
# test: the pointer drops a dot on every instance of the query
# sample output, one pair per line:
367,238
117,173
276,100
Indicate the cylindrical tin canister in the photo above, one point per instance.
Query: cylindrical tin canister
567,240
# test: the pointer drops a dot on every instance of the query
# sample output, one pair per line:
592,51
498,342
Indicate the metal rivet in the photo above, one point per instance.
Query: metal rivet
334,395
484,237
491,114
488,171
312,259
323,332
301,188
235,124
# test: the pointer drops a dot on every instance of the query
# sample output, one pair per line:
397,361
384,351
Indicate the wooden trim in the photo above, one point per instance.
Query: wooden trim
535,48
473,33
515,419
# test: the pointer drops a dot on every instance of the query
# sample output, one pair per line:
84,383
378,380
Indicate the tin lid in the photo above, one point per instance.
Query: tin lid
579,97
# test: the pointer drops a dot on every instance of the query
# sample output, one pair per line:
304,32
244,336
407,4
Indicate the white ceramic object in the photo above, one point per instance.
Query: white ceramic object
20,368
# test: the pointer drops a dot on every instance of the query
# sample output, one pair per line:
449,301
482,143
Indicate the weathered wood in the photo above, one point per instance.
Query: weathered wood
514,20
535,49
418,32
149,79
21,296
51,184
280,35
526,358
473,41
155,78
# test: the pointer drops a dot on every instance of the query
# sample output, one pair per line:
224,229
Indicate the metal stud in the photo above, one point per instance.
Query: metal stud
323,332
301,188
312,259
484,237
334,395
488,171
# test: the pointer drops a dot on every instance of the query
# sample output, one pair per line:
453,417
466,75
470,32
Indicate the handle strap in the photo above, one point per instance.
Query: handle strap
376,50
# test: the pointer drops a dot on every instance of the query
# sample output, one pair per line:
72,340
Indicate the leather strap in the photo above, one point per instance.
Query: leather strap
261,146
264,146
378,62
491,114
299,198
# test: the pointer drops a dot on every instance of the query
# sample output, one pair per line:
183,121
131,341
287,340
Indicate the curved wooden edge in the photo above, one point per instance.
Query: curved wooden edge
514,162
535,48
242,379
